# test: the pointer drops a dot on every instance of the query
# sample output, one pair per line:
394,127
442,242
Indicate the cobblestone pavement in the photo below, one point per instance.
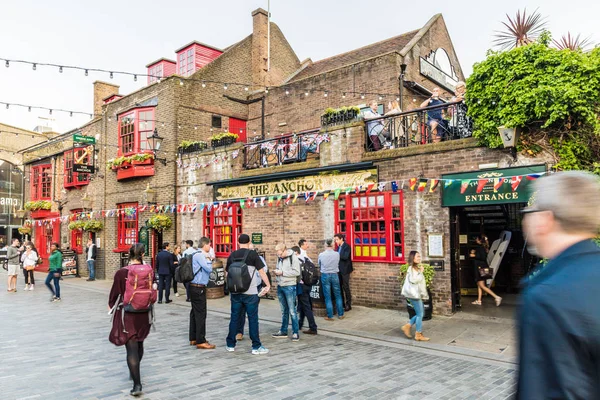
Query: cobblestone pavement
60,351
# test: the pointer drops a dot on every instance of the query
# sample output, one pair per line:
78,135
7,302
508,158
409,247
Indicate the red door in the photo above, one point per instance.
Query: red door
238,126
44,236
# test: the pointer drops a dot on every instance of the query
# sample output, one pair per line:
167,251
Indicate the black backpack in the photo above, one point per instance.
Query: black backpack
309,272
239,279
184,272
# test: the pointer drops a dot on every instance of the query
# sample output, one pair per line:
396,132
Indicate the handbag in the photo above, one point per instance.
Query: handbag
410,290
486,273
30,268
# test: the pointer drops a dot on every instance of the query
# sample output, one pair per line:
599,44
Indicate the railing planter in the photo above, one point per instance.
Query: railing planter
223,139
339,116
191,147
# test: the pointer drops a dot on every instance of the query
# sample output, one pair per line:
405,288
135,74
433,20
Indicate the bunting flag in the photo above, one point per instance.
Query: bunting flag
464,184
448,182
262,201
357,189
202,205
381,186
242,203
278,201
347,190
314,196
209,207
255,202
288,199
515,182
434,185
412,183
336,193
295,198
480,185
422,185
194,207
306,196
270,202
498,182
394,186
326,195
533,177
370,187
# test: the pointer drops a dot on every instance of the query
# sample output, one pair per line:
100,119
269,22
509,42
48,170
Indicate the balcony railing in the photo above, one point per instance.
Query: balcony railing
417,127
284,149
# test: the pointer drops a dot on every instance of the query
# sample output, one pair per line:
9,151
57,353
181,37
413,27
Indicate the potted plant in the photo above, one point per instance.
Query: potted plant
326,117
187,146
223,139
76,225
428,273
93,225
38,209
25,230
160,222
141,159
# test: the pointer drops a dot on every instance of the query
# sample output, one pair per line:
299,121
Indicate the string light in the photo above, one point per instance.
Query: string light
225,86
362,96
111,75
34,66
325,94
343,95
203,84
60,69
287,92
180,82
306,93
86,72
135,78
7,64
266,90
246,88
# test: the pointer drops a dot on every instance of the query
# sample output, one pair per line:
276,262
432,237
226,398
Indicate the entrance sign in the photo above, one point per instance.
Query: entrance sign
83,156
313,183
496,186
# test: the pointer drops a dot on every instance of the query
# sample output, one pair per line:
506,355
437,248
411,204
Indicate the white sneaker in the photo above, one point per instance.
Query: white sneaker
30,287
230,349
26,287
176,294
260,350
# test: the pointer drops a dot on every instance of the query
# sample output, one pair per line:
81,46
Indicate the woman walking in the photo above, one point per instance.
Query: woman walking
29,260
479,256
415,291
55,271
130,329
176,258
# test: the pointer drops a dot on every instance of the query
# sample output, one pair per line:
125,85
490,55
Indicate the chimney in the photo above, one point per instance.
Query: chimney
101,91
260,44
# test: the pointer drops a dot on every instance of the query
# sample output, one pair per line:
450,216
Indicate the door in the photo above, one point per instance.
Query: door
455,257
45,235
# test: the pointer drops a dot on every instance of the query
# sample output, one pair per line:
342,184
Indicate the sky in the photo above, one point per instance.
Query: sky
127,35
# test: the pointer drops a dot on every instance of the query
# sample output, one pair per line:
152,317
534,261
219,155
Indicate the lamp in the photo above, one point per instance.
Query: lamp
510,138
150,195
155,142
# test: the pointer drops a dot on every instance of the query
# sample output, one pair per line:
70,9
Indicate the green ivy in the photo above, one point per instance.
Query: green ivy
551,94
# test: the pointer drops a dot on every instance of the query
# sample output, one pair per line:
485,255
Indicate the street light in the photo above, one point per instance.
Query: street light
155,142
510,138
150,195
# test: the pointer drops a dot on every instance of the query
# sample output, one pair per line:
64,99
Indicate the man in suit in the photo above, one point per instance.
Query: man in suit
164,266
346,269
559,321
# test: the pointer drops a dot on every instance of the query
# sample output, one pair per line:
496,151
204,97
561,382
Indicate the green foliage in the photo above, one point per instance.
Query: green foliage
552,94
117,162
223,135
160,222
76,225
38,205
428,273
189,143
93,225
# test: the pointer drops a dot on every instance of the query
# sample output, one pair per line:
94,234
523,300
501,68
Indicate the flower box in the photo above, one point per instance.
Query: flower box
135,171
38,214
223,141
149,161
191,147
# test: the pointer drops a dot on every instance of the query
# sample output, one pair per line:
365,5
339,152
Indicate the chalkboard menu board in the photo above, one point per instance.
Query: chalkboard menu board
217,277
69,263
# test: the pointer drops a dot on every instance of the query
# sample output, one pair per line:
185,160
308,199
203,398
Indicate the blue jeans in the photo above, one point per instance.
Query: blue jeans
330,281
91,268
244,304
51,277
419,312
287,302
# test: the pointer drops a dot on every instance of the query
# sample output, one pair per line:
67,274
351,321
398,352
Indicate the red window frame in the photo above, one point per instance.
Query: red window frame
127,226
41,182
74,179
223,226
155,72
134,129
186,62
373,224
77,236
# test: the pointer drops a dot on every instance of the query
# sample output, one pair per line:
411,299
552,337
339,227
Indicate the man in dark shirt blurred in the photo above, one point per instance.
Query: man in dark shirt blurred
164,266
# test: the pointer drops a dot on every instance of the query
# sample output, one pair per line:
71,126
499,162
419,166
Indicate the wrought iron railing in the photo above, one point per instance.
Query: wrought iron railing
419,126
284,149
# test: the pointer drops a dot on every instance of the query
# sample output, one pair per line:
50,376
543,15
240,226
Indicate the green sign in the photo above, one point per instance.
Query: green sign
84,139
257,238
494,186
144,238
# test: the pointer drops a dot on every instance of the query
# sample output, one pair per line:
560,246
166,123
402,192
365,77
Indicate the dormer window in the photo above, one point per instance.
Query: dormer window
134,129
186,62
160,69
193,56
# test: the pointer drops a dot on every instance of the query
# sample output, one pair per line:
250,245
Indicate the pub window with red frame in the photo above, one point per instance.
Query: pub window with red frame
373,225
41,182
127,225
77,236
223,226
134,129
74,179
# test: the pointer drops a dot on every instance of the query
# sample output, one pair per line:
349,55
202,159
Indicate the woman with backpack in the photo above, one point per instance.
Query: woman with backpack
29,260
415,290
131,328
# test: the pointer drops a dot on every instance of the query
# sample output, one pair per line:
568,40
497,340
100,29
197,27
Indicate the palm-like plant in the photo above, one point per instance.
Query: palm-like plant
520,31
568,42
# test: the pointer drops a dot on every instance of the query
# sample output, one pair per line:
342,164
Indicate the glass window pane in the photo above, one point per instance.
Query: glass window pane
395,199
371,201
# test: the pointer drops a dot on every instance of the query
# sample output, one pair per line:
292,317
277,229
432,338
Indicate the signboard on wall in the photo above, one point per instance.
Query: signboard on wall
83,154
485,187
438,68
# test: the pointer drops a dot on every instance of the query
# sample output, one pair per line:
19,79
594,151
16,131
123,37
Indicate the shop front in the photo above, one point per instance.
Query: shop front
11,200
488,202
46,231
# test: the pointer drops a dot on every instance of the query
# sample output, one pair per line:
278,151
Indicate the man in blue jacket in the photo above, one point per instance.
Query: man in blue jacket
164,266
559,321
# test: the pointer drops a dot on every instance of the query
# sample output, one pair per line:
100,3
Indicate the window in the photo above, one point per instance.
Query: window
127,225
186,62
223,226
41,182
134,129
216,121
73,179
373,225
77,236
155,73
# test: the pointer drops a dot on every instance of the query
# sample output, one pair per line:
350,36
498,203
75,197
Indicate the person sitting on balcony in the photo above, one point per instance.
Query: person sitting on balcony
307,144
393,108
397,124
375,128
434,117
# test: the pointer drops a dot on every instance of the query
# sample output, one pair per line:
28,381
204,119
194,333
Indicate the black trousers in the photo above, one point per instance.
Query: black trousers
305,308
29,278
198,314
345,286
164,284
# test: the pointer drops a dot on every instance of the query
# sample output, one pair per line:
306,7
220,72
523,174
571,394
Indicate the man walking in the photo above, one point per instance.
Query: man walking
345,269
164,265
202,267
287,273
13,257
188,252
559,320
329,262
91,253
247,302
304,303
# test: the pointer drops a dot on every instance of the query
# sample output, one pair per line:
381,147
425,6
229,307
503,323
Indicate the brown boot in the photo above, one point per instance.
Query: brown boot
419,337
192,342
205,346
406,330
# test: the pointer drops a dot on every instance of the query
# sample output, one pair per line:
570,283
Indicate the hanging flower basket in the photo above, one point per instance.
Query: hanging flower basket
76,225
25,230
160,222
38,205
93,225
